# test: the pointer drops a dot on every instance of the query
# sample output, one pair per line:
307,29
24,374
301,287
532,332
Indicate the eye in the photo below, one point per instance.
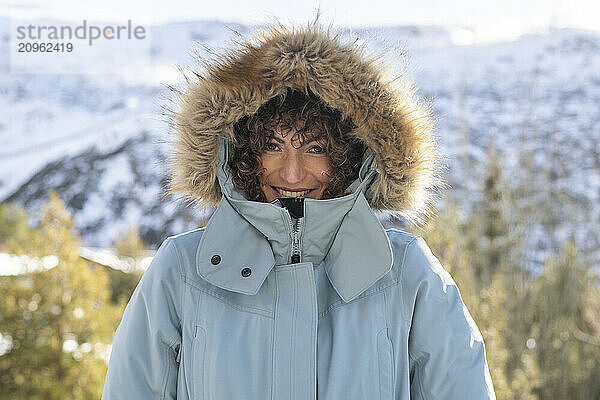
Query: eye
317,150
271,146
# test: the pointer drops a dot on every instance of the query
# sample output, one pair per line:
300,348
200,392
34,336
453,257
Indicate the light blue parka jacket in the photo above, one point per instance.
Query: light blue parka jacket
222,313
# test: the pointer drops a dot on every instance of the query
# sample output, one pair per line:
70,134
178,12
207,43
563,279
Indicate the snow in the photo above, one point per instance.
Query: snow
11,264
536,98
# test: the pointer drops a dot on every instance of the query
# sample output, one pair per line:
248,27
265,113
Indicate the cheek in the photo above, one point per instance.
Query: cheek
322,171
268,165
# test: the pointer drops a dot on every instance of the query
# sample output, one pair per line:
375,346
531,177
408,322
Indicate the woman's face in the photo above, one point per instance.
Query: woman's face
294,172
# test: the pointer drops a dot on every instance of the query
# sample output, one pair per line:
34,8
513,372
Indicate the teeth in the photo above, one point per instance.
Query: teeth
292,194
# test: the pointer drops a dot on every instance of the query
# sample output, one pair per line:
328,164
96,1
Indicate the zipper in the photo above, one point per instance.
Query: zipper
296,236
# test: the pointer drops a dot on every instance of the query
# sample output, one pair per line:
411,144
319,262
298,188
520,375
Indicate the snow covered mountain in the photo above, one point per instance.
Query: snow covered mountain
100,140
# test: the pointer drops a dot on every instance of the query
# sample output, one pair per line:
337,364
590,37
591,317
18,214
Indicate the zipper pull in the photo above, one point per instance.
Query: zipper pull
295,231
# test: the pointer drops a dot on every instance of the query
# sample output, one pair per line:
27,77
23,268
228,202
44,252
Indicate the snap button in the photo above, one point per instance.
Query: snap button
246,272
215,259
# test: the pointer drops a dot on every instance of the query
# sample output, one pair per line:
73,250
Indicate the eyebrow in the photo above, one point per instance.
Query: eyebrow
279,140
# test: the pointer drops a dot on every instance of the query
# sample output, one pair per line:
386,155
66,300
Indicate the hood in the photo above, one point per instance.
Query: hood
389,120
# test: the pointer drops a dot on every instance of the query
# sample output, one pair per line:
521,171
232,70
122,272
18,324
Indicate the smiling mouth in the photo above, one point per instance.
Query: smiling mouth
289,193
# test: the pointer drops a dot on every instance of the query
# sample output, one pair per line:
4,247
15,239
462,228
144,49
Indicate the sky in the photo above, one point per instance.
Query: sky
489,19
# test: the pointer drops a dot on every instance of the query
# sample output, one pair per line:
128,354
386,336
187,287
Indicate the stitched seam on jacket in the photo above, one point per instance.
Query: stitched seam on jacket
314,338
272,355
386,315
274,348
379,363
293,330
253,310
182,276
405,315
420,364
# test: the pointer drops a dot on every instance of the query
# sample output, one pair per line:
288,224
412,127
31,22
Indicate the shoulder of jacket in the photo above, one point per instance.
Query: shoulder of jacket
399,243
185,237
400,239
418,266
186,246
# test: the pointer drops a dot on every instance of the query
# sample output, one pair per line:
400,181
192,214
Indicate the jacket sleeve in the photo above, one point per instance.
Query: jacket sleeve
143,360
446,350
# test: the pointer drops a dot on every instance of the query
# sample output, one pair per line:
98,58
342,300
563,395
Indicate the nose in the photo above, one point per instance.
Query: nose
293,170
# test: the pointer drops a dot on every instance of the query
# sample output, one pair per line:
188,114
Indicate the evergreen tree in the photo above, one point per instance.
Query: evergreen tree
567,327
130,244
58,321
14,227
451,238
481,253
500,250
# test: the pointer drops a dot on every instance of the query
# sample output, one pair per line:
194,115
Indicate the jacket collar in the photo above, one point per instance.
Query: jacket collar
342,233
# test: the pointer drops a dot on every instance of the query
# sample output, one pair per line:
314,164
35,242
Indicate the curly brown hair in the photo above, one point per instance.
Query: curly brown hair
312,120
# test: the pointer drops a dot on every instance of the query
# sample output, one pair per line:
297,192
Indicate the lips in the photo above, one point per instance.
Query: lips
291,193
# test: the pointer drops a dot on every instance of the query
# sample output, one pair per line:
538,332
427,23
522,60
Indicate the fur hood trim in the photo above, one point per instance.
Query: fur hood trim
388,116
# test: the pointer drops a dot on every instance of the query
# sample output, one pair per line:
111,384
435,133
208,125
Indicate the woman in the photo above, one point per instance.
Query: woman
294,290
